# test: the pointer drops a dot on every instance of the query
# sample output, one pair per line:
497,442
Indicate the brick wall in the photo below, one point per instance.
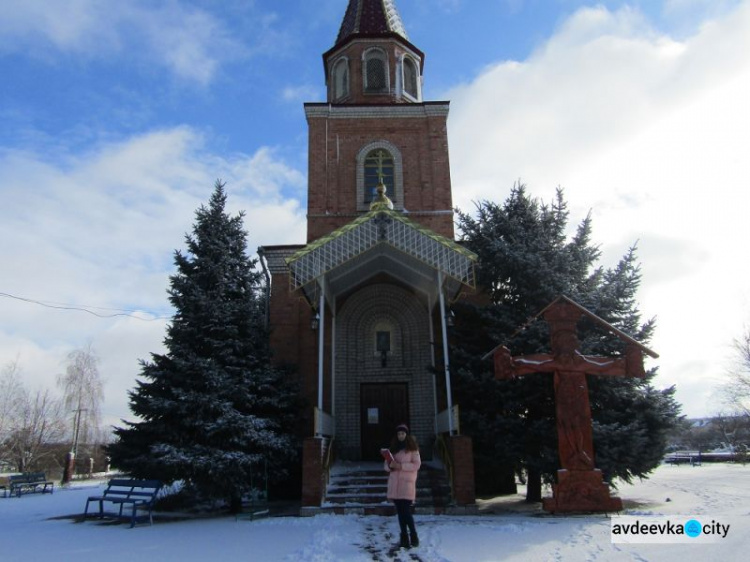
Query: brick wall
462,455
337,135
294,343
314,450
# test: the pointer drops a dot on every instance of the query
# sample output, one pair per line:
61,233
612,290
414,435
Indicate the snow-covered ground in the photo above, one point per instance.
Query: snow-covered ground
43,527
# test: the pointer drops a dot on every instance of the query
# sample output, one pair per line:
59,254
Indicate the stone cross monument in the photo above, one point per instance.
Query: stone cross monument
580,486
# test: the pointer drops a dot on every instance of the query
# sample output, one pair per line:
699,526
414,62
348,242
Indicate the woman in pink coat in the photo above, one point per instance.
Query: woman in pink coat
402,481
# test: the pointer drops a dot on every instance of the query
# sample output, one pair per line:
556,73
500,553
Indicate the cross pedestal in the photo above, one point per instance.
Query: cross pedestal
580,490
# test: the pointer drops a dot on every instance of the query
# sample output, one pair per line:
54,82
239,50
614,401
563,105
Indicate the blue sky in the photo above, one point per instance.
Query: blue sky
117,117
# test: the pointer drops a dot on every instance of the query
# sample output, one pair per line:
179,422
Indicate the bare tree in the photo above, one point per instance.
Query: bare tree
10,389
11,394
736,391
734,430
29,422
83,392
42,423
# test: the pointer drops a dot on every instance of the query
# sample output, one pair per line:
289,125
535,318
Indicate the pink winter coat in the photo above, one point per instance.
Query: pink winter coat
402,484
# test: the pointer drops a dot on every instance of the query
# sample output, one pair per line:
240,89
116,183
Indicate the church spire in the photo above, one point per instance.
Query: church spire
373,61
371,18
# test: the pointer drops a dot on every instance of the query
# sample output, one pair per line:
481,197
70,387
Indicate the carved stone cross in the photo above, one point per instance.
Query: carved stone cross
580,486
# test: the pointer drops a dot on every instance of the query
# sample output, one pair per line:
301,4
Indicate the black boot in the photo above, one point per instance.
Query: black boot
414,538
404,540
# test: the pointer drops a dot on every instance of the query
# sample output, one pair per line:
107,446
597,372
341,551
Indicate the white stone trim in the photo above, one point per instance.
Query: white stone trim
402,66
382,42
333,93
395,23
328,111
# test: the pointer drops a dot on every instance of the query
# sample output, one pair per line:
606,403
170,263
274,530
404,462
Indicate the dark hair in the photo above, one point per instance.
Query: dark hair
411,443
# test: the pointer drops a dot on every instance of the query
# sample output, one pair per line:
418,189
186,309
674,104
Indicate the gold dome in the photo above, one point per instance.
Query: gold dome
382,200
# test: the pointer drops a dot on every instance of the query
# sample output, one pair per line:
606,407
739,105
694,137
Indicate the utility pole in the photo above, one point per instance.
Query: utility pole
70,458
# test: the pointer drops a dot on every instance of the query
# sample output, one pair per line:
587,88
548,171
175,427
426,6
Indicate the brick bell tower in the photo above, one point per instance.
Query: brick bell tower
375,116
360,310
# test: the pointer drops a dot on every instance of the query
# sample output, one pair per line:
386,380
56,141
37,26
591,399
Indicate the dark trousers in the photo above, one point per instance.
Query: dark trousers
405,518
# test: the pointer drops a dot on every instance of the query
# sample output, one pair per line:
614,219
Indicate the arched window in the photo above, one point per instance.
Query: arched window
376,71
411,78
373,159
341,79
379,164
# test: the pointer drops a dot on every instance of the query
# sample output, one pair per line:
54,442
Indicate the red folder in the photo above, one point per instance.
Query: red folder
387,456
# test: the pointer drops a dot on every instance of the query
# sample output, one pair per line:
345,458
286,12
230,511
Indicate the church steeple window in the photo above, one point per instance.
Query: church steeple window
341,78
375,71
378,167
411,78
376,160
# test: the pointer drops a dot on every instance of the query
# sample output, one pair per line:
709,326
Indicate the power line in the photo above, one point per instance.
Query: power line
86,308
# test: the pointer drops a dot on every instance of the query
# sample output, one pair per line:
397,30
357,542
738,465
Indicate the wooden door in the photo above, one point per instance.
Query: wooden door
382,408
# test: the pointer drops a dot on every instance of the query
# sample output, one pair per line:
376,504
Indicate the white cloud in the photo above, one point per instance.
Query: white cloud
687,13
302,93
188,41
100,228
649,132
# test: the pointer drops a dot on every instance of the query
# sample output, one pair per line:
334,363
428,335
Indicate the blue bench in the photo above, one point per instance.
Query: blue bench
29,482
131,493
686,457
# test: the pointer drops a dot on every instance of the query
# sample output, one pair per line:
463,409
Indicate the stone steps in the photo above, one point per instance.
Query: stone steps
360,488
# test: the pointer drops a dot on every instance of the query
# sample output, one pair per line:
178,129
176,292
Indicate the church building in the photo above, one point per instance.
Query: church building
362,308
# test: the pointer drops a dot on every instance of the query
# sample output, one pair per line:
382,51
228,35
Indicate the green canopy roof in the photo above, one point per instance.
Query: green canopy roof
382,238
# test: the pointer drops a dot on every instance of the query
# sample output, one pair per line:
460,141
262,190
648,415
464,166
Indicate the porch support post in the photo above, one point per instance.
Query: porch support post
446,360
321,340
333,357
430,323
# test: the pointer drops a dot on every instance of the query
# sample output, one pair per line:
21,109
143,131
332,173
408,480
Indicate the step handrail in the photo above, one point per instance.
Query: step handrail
442,452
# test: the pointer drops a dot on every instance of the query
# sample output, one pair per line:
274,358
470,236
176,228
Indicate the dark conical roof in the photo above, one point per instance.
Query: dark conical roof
371,17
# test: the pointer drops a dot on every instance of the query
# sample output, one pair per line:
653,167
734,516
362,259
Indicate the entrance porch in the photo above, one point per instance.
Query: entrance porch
378,288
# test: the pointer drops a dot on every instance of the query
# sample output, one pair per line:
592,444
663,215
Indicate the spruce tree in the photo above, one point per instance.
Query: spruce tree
525,262
213,409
